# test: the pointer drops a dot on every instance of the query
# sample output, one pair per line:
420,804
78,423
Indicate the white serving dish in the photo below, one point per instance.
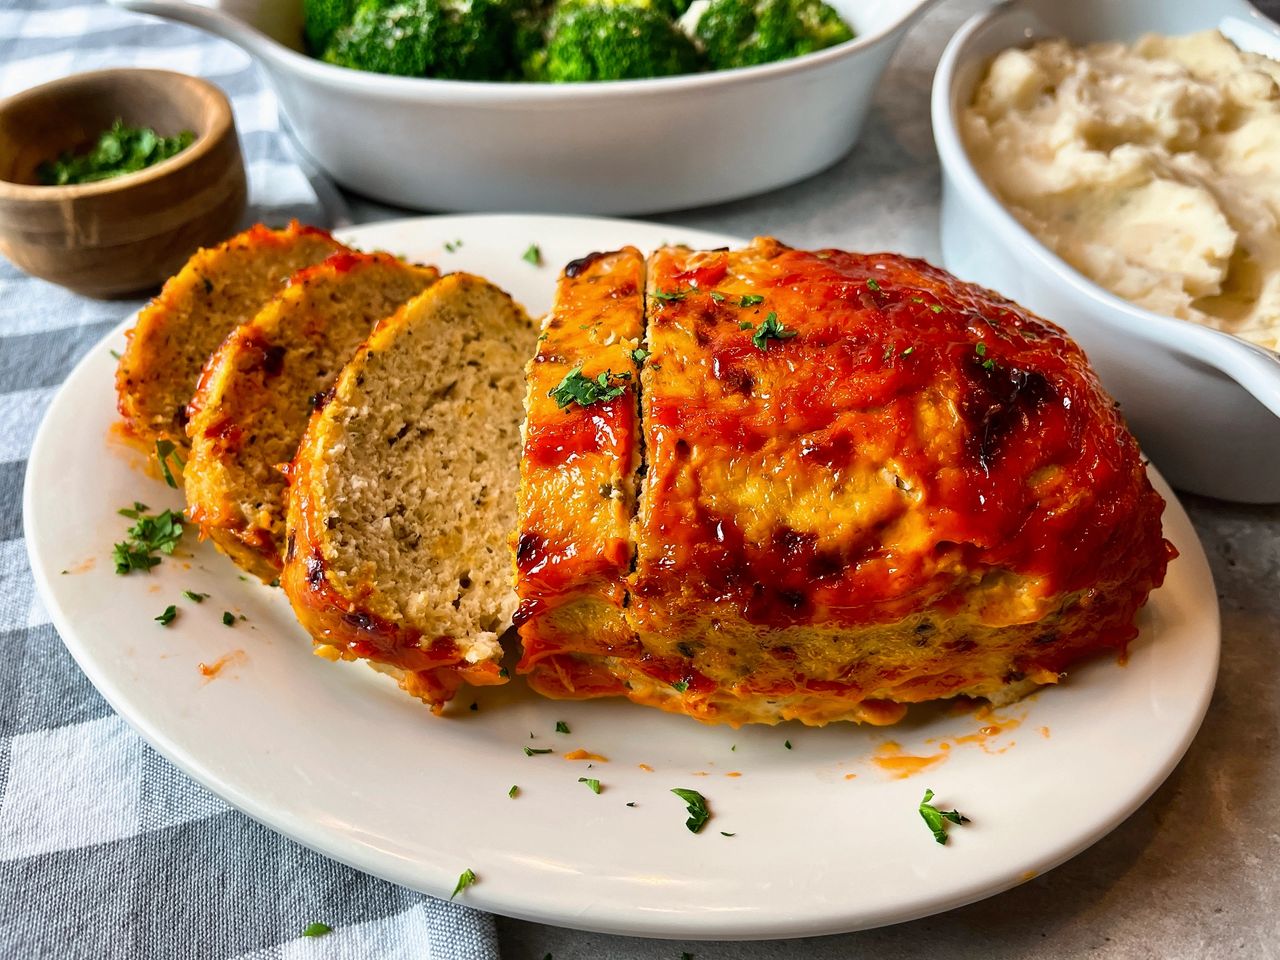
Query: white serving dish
635,146
1204,404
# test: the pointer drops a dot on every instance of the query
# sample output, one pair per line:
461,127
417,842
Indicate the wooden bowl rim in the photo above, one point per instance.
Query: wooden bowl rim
223,125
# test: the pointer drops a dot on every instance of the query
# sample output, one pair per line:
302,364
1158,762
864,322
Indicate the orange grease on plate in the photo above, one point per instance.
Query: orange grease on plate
1044,732
890,758
733,773
851,776
212,670
584,755
1029,875
646,768
84,566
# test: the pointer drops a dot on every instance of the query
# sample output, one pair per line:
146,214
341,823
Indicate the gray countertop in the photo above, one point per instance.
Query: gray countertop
1195,872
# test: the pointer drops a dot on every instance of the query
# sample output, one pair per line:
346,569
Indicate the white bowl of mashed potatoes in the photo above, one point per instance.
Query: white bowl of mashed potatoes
1116,167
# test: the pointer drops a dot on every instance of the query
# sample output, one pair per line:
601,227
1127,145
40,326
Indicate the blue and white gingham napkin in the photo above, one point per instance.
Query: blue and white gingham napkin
106,850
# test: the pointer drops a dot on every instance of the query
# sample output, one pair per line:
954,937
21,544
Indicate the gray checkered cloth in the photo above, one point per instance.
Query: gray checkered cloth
105,849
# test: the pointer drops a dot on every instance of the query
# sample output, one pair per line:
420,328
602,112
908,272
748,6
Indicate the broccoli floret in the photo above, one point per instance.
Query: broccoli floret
612,40
321,19
452,39
742,33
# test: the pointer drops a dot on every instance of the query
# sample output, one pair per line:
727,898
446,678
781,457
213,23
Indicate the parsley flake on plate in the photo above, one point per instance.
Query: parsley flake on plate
592,785
515,789
696,807
771,329
147,537
228,618
452,246
533,752
195,597
317,929
787,744
170,614
584,391
533,255
935,818
561,727
465,879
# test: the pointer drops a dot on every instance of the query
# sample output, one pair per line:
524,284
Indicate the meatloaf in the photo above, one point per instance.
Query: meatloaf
863,484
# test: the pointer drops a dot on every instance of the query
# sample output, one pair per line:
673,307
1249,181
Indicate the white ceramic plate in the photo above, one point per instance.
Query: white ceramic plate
826,835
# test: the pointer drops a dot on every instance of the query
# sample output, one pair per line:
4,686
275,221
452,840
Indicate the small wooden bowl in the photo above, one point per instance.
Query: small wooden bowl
127,234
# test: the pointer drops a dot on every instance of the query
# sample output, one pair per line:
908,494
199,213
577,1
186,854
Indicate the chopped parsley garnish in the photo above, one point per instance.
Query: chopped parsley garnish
681,685
533,255
195,597
723,834
981,350
164,450
228,618
515,788
746,325
317,930
917,299
935,307
787,744
717,296
872,285
532,752
750,300
669,296
934,817
697,808
584,391
169,615
452,246
771,329
561,727
631,804
118,150
114,353
147,537
592,785
907,352
640,355
465,879
474,705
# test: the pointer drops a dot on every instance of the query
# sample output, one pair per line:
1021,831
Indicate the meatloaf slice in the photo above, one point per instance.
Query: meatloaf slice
403,492
257,391
578,472
218,289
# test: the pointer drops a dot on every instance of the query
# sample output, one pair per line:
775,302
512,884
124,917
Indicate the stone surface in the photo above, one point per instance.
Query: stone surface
1194,873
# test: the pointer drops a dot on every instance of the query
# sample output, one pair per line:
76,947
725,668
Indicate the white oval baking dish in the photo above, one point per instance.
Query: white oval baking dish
633,146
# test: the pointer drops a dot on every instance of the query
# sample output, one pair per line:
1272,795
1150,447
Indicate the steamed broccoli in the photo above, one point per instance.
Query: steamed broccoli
321,19
612,40
742,33
453,39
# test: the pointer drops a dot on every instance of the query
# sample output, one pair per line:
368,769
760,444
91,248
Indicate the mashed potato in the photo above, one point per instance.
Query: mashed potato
1153,168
